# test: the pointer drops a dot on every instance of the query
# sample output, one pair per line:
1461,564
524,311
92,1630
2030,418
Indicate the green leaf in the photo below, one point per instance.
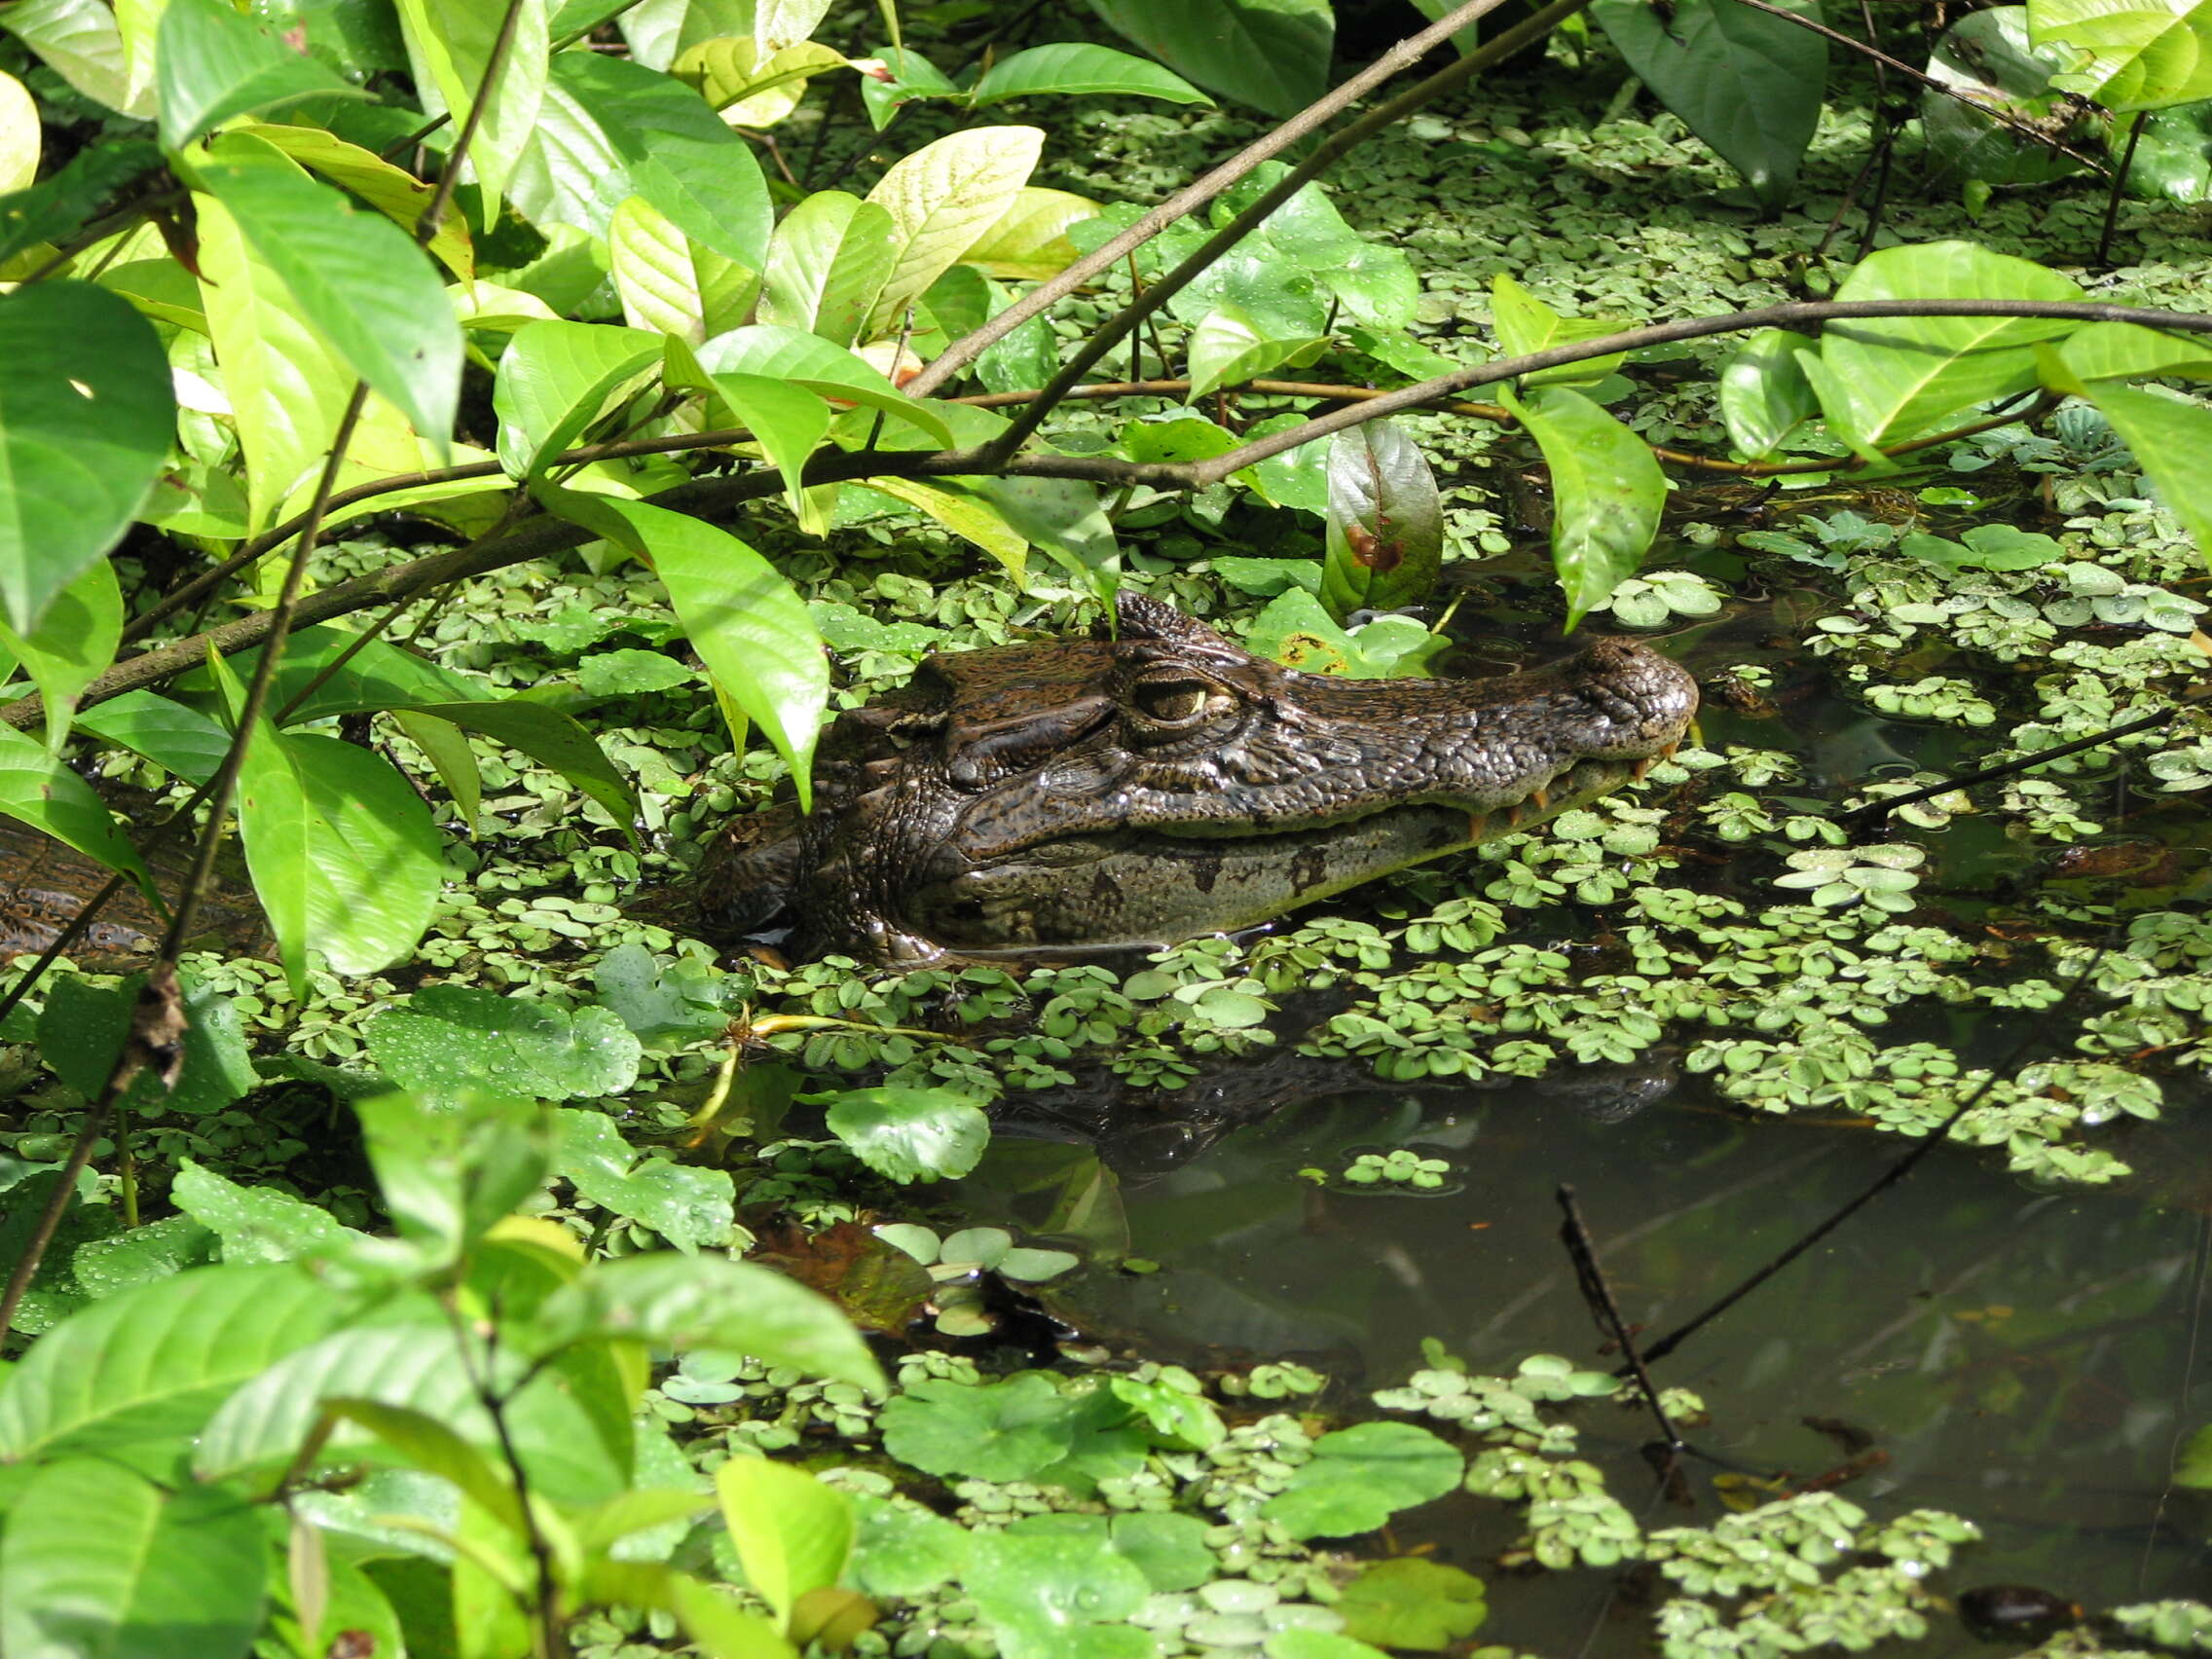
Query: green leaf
395,192
256,1224
792,1533
1359,1477
450,45
2169,438
679,156
2130,55
1300,1643
37,788
1296,631
457,1037
20,143
86,421
1524,323
741,616
2173,159
667,283
1168,1549
447,1172
83,1027
211,63
1044,1598
1385,522
1606,493
911,1134
1030,241
788,422
2192,1464
1413,1606
117,1569
359,851
81,41
675,1302
1748,82
631,674
62,205
791,355
1078,69
287,387
556,741
989,1431
1764,394
1987,57
72,644
1229,346
1272,54
555,378
826,264
904,1550
669,1004
942,199
357,278
2125,351
692,1208
151,1364
1892,377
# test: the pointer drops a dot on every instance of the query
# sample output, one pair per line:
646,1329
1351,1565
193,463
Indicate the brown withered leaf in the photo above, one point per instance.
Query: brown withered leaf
879,1286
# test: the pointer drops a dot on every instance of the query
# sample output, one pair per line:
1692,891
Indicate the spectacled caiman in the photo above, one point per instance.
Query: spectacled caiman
1078,795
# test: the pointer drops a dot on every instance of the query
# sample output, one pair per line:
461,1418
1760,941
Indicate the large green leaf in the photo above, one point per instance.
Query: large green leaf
788,422
688,1207
940,200
450,43
86,421
2130,55
1074,68
1606,493
1385,522
677,1302
152,1364
1748,82
449,1169
670,284
115,1568
1272,54
212,63
72,644
39,790
1764,395
679,156
357,278
272,829
1229,346
2171,438
1882,380
792,1533
793,354
287,386
81,41
1524,323
555,378
1359,1477
826,263
59,205
398,194
556,741
1987,57
83,1027
911,1134
749,629
447,1038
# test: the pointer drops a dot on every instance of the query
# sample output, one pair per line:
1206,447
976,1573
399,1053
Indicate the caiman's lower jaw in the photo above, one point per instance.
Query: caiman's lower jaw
1141,889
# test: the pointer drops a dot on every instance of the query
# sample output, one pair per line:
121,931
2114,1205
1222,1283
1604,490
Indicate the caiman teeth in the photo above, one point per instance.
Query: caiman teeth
1478,825
1541,795
1636,771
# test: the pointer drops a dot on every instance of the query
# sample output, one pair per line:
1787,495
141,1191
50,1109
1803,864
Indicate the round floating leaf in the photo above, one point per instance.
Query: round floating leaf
1359,1477
911,1134
989,1432
1411,1604
447,1038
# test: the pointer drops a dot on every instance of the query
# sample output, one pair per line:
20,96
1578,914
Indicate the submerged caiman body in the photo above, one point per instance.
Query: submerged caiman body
1050,800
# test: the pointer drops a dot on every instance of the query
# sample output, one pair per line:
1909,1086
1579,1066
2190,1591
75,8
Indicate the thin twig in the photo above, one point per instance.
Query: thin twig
966,349
2118,182
1598,1292
1317,162
2025,129
1881,1184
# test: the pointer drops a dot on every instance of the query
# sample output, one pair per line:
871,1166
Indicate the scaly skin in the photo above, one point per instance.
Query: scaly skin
1055,800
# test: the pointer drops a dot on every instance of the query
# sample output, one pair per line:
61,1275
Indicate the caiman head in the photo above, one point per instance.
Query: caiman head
1054,800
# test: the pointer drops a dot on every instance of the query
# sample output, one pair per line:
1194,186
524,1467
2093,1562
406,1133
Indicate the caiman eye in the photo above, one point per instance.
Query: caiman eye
1170,702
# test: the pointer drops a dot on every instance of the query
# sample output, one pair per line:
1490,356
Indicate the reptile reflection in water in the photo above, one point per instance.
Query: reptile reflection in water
1073,796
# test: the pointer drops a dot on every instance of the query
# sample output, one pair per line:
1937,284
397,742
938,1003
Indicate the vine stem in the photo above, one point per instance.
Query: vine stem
543,536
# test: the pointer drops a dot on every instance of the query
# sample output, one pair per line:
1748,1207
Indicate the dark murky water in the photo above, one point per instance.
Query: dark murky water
2023,1357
